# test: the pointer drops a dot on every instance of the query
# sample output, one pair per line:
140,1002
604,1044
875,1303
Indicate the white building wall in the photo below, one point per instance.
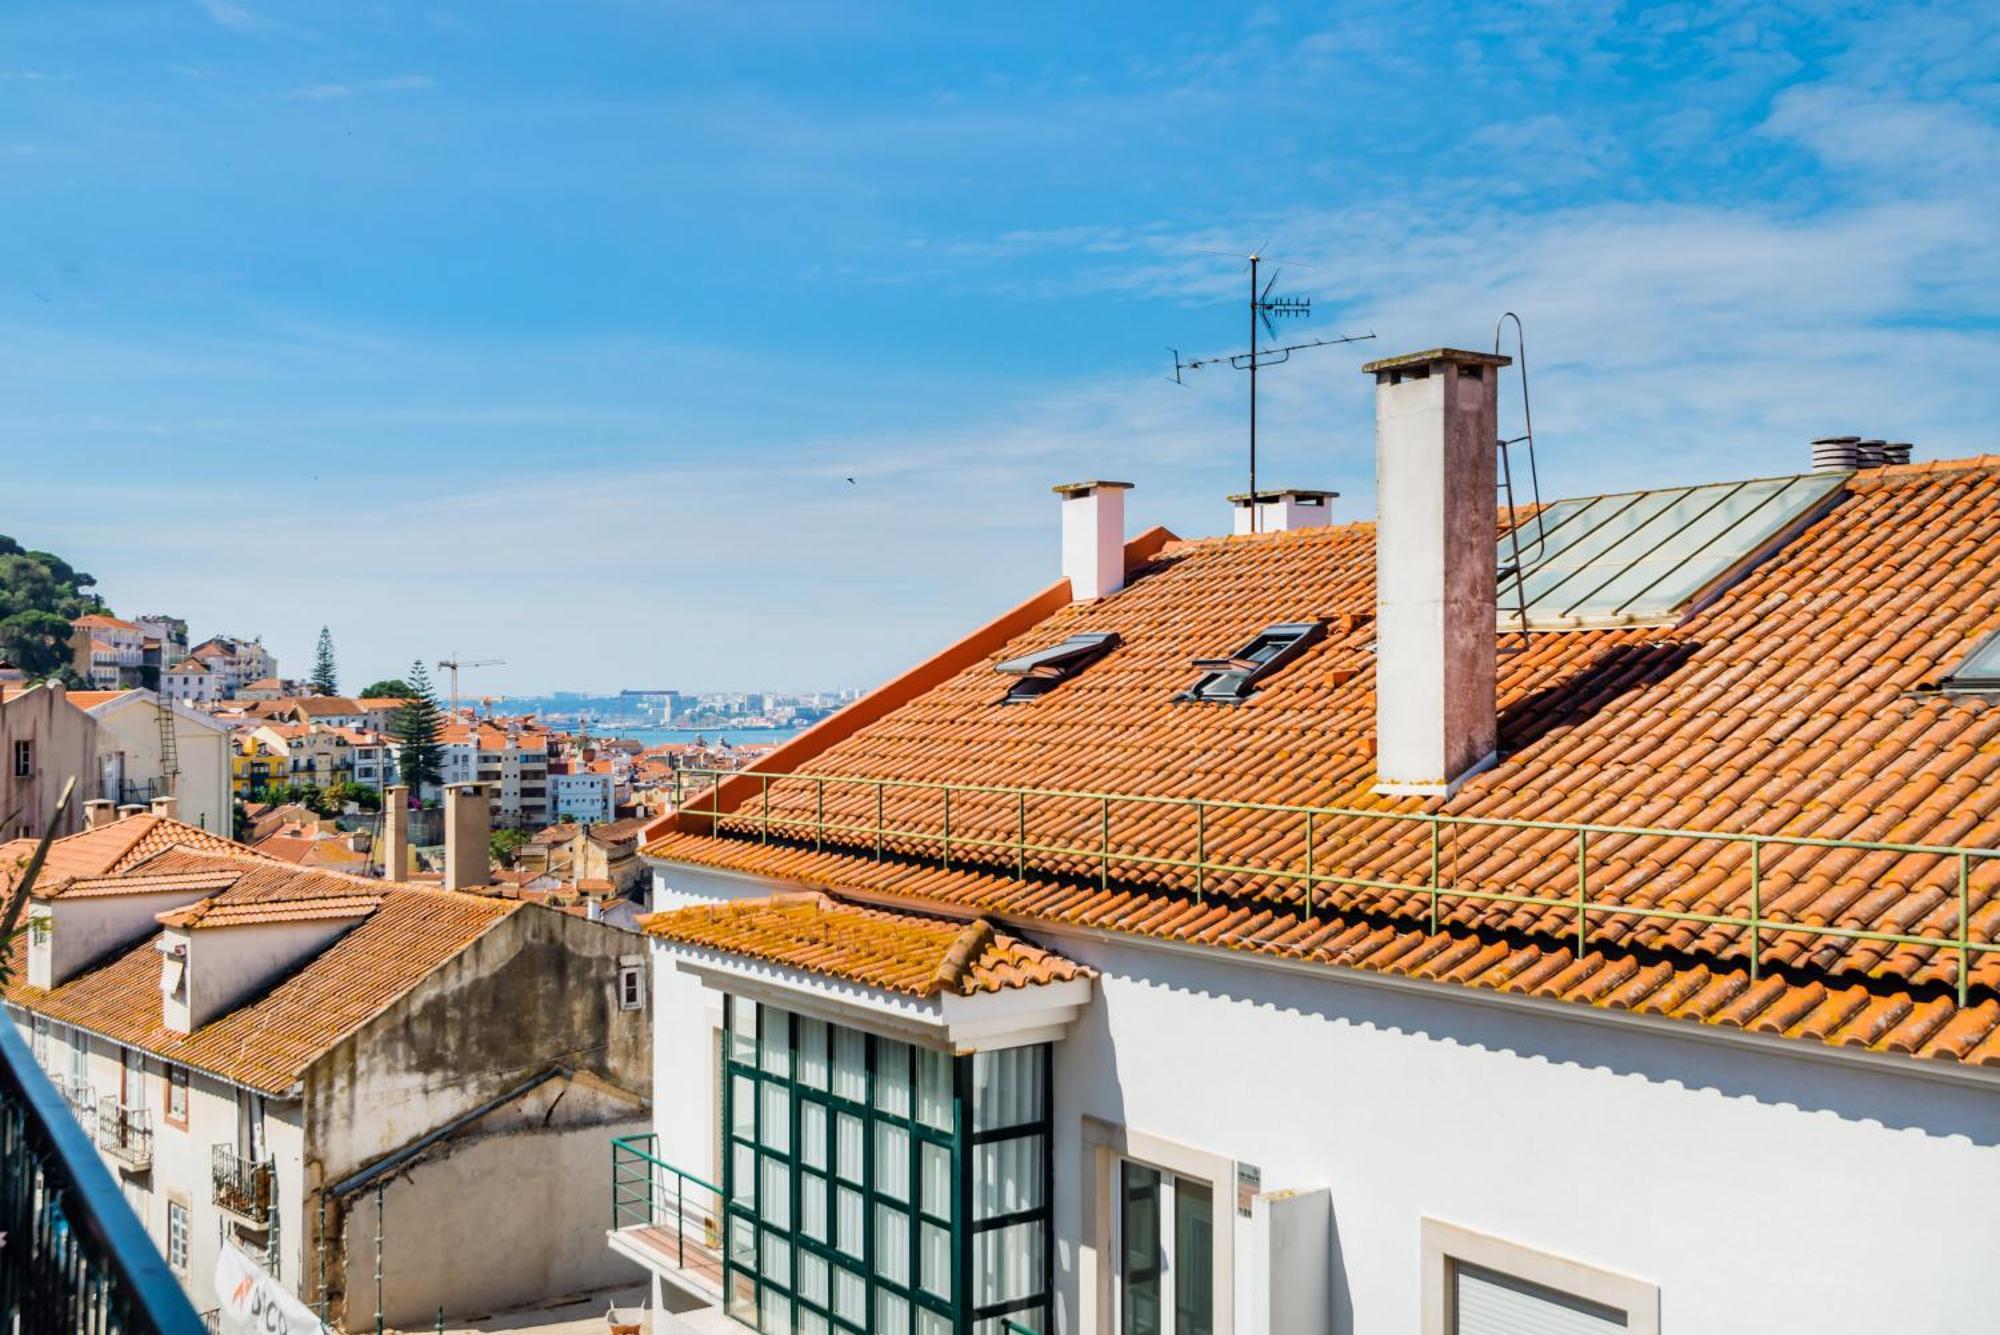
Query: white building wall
1744,1178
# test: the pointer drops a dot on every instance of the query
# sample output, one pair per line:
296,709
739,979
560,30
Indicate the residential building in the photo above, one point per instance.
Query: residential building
339,1076
604,854
265,689
314,755
190,682
580,790
1236,934
257,763
238,664
133,764
45,741
509,758
374,757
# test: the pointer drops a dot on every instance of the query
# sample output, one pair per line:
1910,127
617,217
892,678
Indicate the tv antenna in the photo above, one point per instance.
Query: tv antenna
1265,311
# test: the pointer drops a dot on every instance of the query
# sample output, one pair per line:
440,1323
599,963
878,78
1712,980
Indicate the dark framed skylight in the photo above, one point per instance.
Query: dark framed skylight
1981,669
1234,679
1645,557
1043,670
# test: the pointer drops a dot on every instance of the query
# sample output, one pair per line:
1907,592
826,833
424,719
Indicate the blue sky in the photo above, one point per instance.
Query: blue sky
552,331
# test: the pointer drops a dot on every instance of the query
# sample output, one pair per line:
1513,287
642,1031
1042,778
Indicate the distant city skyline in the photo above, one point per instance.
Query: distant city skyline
555,334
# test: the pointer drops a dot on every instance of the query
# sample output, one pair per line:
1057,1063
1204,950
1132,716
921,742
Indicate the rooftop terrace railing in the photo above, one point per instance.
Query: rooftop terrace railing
680,1213
75,1258
1003,838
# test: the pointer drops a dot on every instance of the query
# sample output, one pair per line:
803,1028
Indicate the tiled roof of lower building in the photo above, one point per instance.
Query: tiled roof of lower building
1803,702
109,848
880,948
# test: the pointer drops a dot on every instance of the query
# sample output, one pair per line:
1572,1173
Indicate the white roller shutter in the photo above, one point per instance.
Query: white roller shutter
1489,1303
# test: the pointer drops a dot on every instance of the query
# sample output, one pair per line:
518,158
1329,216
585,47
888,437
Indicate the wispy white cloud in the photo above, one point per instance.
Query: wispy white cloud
229,15
332,91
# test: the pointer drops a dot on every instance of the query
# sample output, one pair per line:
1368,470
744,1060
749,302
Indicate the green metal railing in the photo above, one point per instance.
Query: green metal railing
728,793
647,1191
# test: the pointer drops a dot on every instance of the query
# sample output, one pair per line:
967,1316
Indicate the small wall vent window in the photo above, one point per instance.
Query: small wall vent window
1045,669
632,988
1233,679
1981,669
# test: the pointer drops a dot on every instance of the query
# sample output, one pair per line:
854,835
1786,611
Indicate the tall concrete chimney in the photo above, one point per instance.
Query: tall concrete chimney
468,835
396,832
1436,529
1282,511
1093,537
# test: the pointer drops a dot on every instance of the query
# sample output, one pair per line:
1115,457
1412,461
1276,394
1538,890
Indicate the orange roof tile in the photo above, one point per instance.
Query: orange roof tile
211,913
1802,701
880,948
109,848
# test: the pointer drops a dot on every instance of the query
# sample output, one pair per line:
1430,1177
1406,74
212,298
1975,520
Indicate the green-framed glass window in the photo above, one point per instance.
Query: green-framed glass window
873,1185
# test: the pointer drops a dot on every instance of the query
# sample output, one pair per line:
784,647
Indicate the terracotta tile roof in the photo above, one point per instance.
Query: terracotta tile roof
880,948
271,1042
319,706
1802,701
224,913
205,880
110,848
92,699
97,621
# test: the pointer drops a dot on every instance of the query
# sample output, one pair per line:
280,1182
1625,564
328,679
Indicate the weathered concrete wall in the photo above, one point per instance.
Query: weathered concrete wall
489,1222
64,744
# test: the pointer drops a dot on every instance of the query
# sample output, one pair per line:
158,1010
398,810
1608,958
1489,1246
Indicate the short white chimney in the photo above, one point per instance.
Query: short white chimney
168,808
1093,537
1436,527
468,836
1282,511
99,812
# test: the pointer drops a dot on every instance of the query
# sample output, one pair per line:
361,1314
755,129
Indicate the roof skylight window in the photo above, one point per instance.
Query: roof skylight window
1981,669
1043,670
1645,557
1234,679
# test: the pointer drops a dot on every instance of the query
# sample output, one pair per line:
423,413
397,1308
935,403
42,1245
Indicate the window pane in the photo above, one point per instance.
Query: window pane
850,1065
777,1262
850,1295
1007,1176
742,1174
777,1041
930,1323
892,1245
892,1314
1007,1263
852,1220
743,1031
743,1106
892,1077
1006,1088
811,1322
774,1200
742,1243
1194,1258
812,1278
776,1132
776,1318
812,1133
1139,1255
847,1156
934,1251
812,1206
934,1088
892,1161
936,1168
812,1052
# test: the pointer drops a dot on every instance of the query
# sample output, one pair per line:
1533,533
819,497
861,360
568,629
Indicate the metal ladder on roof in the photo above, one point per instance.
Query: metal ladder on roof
1516,567
170,756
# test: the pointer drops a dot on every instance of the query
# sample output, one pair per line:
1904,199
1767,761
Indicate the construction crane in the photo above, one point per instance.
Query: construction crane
454,663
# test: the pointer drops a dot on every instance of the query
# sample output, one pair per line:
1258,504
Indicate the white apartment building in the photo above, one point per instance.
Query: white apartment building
190,682
133,764
235,662
1232,938
260,1054
580,793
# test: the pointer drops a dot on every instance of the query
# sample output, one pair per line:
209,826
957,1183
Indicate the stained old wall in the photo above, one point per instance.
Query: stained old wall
537,990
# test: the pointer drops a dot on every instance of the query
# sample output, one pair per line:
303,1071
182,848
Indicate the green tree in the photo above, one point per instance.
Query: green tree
416,728
36,641
40,594
507,844
324,679
388,688
365,796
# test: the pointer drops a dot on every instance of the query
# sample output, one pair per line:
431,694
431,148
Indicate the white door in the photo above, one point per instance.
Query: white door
1164,1240
1486,1302
133,1094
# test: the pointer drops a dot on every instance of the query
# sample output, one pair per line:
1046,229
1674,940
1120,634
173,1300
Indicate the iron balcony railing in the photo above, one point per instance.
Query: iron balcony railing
242,1185
126,1134
997,832
74,1257
675,1215
81,1099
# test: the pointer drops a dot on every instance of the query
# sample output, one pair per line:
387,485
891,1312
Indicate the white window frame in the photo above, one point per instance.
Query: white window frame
631,987
1447,1246
1104,1145
177,1238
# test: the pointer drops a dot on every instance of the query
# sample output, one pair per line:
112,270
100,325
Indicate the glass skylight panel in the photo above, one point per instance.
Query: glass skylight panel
1981,669
1644,557
1044,668
1233,678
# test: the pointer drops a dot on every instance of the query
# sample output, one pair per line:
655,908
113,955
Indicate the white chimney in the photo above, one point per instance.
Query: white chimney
168,808
1093,537
1436,527
468,836
396,832
99,812
1282,511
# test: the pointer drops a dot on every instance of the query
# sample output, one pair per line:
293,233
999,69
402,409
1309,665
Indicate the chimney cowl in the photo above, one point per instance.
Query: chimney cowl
1281,510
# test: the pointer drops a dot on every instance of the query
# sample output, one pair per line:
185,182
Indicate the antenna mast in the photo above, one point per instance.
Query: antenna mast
1264,310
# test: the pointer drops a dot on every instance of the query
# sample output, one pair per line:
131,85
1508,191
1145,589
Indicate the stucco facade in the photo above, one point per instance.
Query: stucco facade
45,740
